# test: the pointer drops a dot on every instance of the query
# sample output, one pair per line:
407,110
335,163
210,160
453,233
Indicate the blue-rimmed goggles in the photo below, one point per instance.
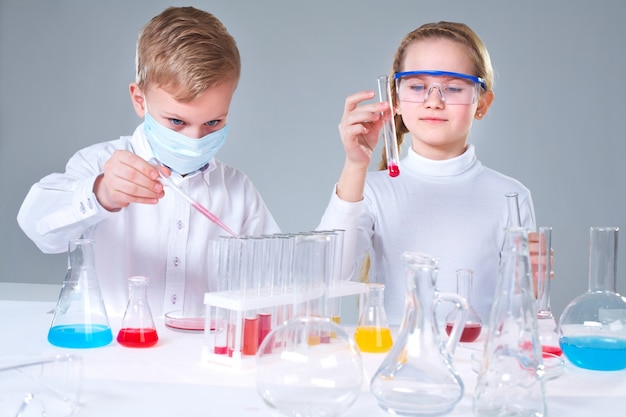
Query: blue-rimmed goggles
454,87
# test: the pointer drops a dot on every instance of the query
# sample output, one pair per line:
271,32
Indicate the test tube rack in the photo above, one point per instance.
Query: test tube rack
238,305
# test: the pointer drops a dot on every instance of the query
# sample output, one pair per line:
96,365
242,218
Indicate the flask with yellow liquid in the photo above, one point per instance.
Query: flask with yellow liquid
372,334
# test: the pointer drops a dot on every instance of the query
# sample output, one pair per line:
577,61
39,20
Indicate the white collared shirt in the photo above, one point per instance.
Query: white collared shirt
170,242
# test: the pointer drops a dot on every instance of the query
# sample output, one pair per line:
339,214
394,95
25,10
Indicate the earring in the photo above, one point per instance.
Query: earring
479,114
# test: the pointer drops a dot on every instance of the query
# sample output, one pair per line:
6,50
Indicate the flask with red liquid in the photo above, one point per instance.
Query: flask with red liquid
473,323
138,329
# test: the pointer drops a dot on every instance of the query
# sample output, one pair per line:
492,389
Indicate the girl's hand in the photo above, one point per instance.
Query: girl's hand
360,127
127,179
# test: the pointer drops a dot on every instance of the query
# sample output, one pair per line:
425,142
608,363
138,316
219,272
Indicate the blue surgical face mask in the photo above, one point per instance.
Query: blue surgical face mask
180,153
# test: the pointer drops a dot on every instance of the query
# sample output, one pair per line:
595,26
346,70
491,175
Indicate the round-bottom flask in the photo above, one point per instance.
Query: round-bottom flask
592,328
298,378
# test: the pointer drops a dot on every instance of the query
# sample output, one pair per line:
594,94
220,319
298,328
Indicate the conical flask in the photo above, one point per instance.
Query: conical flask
373,334
510,378
138,329
473,323
592,327
80,319
417,377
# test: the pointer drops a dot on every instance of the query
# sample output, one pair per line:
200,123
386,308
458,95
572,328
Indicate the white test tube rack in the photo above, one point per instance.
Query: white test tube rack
233,301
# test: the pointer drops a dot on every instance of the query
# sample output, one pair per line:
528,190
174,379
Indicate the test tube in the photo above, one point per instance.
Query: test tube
250,293
389,128
227,260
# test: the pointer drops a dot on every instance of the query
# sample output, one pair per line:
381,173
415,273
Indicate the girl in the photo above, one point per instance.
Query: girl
444,202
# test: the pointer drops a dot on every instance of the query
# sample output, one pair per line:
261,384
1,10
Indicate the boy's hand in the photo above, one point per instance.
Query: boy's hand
127,179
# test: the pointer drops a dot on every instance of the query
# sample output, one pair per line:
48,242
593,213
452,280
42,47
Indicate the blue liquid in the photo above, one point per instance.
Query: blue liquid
80,335
597,353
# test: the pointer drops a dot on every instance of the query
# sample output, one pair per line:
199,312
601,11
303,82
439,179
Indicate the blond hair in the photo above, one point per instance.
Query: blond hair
456,32
477,51
186,51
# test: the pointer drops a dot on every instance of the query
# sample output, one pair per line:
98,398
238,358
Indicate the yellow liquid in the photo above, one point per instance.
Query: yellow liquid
373,339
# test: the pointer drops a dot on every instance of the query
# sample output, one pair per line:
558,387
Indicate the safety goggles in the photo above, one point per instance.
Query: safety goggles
453,87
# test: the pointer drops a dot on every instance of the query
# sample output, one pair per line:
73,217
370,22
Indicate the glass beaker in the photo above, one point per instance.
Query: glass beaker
138,329
548,334
80,319
473,323
417,376
510,378
592,328
373,334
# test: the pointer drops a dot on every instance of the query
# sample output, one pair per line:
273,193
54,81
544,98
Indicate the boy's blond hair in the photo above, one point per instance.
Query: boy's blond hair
186,51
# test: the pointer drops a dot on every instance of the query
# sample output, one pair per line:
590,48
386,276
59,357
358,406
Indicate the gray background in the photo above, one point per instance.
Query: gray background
557,123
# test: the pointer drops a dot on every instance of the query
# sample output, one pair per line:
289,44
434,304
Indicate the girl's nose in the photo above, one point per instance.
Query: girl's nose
431,99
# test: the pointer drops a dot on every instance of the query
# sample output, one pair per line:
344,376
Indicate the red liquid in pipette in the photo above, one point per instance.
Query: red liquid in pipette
212,217
394,170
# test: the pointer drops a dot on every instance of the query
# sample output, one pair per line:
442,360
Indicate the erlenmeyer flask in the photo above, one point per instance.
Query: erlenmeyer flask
417,376
510,377
372,334
548,334
80,319
473,323
138,329
592,328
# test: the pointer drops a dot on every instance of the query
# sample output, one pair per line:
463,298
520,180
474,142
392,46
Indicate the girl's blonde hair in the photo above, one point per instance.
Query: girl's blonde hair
456,32
477,51
186,51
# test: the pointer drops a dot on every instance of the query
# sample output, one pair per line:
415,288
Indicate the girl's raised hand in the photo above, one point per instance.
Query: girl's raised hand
360,127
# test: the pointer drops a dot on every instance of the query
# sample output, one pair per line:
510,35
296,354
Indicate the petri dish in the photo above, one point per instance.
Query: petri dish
178,320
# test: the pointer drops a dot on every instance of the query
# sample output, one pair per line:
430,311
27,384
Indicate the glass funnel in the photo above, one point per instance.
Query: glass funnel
80,319
592,328
417,378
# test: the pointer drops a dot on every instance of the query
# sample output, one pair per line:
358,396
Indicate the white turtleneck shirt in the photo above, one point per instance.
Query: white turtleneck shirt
455,210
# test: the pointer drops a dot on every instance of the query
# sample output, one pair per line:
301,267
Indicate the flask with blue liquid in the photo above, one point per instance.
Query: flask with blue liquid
592,328
80,319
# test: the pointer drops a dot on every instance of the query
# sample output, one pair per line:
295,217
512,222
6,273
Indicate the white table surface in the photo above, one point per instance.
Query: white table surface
170,380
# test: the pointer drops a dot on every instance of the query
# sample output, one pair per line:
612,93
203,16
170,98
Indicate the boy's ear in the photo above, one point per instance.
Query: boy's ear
137,98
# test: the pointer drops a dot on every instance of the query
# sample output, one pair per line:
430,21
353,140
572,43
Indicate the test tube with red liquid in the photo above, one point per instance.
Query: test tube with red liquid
389,128
250,292
227,261
263,261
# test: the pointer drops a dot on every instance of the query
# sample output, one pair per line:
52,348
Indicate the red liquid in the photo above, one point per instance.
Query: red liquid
265,325
250,336
139,338
555,350
394,170
212,217
471,331
220,350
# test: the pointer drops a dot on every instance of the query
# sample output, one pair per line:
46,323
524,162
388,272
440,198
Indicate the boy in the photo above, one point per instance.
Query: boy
188,67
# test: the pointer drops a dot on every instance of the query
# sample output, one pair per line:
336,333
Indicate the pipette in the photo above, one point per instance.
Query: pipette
203,210
389,128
